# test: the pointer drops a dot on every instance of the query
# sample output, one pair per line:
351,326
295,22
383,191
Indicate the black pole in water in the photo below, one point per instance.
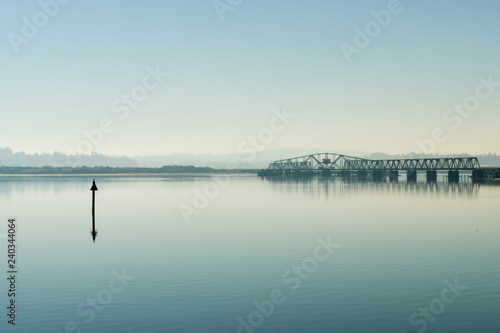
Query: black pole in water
93,189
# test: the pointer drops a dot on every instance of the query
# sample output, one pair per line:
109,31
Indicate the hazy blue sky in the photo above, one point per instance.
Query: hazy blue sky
227,76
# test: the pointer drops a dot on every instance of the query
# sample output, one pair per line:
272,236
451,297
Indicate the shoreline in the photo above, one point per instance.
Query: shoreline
184,174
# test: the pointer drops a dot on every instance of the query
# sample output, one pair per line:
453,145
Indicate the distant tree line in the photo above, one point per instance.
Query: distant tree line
10,158
47,170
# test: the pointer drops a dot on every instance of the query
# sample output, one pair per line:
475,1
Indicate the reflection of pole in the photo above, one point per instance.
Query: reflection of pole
93,189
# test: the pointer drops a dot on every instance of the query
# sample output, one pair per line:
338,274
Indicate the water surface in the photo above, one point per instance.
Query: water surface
398,243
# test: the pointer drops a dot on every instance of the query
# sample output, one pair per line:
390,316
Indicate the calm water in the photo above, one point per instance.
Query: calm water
252,245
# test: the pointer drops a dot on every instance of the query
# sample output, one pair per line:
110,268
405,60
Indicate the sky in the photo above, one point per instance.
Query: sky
165,76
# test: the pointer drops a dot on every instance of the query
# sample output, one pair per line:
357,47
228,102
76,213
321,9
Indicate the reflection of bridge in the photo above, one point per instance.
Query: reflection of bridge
329,187
328,164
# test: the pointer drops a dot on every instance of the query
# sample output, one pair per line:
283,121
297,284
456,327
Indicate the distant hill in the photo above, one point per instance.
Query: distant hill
241,161
57,159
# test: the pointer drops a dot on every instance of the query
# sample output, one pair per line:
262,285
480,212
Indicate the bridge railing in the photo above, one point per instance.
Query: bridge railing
459,163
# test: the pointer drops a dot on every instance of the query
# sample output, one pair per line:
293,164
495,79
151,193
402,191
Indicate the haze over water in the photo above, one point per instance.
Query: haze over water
397,245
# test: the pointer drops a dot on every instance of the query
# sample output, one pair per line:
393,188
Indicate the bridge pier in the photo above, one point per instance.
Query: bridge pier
377,175
478,176
345,174
454,176
394,175
431,175
326,173
411,175
361,175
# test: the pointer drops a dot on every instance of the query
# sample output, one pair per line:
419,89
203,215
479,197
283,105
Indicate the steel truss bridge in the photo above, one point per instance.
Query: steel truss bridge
344,165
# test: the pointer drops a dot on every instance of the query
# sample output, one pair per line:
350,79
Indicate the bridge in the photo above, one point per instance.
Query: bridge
328,164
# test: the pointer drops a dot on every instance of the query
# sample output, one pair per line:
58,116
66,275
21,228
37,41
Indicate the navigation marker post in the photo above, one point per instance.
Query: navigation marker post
93,189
